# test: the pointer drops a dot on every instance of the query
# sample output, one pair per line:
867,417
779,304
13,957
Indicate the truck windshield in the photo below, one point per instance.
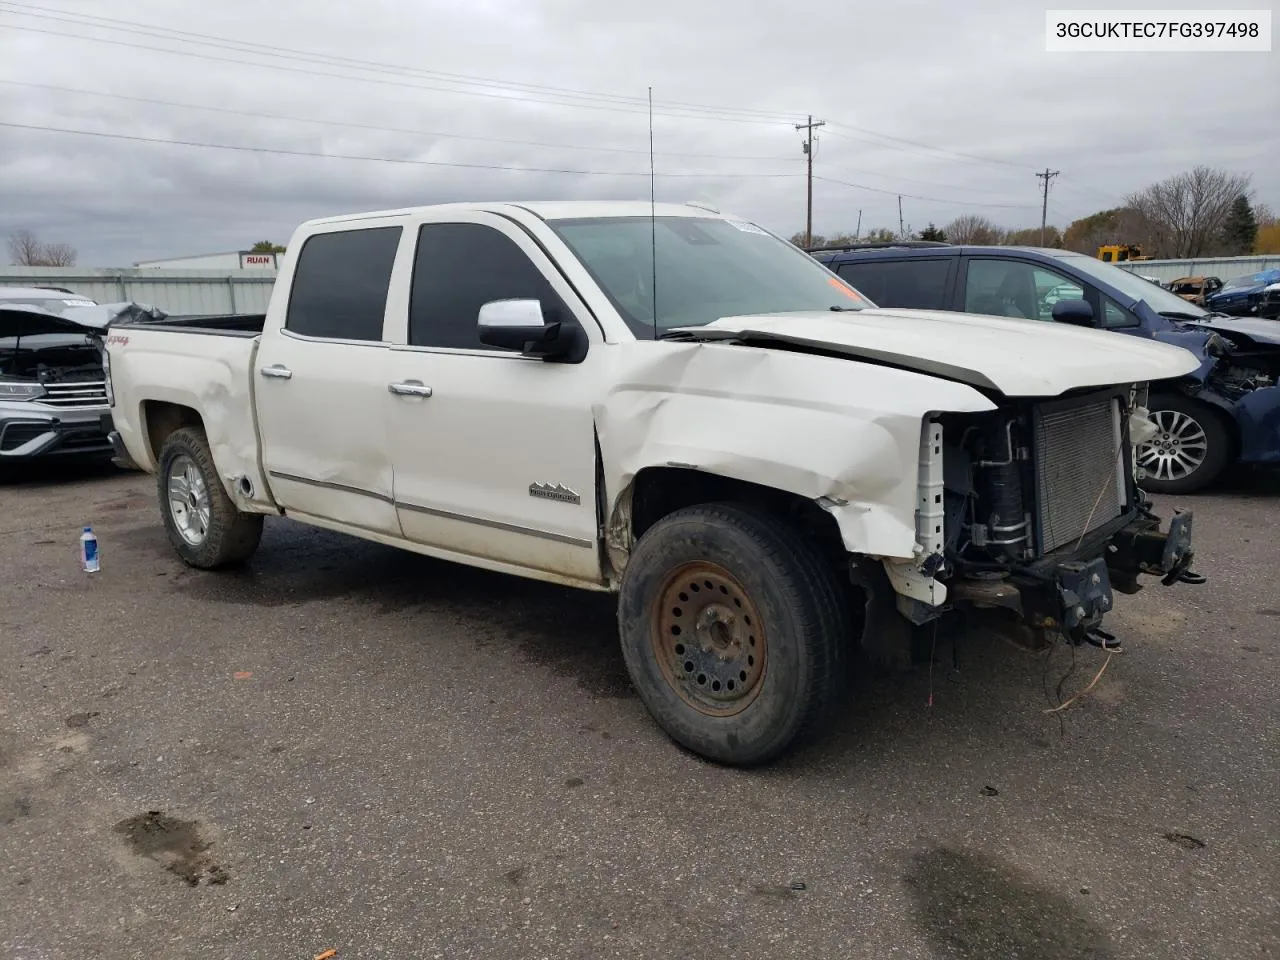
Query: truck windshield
707,268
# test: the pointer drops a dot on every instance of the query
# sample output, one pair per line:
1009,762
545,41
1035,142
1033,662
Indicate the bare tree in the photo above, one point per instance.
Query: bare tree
59,255
972,228
24,248
27,250
1185,214
880,235
817,239
1030,237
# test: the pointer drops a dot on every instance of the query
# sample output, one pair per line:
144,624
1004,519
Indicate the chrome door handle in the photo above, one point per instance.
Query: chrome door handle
279,371
410,388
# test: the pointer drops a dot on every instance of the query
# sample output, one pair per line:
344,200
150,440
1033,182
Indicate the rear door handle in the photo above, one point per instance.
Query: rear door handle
410,388
277,370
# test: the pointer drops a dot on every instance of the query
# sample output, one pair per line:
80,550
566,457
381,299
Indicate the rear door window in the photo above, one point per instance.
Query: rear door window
919,284
1014,288
340,284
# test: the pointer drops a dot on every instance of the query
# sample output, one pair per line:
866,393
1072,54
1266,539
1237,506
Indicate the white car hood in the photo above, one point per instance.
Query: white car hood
1019,358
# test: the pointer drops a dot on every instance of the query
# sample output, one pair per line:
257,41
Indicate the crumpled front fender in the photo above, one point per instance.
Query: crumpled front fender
841,433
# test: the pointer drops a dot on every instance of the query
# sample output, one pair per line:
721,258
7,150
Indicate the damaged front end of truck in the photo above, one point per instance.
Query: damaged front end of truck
1031,518
981,475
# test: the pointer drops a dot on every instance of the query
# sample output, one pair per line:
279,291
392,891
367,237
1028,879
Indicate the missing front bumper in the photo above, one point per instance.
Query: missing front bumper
1072,596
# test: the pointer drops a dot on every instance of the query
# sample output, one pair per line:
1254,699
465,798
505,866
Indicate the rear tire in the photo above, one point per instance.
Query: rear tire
735,632
1191,449
203,523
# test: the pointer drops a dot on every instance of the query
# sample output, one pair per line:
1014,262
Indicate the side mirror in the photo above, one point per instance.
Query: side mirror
1077,312
522,325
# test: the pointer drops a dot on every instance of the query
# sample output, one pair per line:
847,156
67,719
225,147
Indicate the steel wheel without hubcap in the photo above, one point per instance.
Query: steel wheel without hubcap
189,503
1177,450
709,639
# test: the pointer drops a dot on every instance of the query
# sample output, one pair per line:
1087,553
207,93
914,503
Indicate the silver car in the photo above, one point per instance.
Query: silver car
53,392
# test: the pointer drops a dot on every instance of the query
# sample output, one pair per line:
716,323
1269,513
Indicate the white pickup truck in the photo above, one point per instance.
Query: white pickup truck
674,405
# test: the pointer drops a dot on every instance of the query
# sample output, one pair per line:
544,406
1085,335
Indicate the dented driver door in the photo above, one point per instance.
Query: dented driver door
494,453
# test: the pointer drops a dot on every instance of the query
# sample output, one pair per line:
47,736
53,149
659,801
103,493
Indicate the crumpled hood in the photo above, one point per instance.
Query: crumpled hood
1019,358
28,320
1261,332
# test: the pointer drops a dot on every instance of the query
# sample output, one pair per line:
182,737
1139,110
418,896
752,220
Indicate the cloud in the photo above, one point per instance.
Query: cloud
951,102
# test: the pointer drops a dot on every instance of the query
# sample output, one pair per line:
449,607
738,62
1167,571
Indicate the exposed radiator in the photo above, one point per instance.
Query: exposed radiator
1080,469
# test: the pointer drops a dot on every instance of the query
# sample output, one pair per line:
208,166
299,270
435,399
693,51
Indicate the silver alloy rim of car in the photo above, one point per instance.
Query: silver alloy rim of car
1177,450
189,503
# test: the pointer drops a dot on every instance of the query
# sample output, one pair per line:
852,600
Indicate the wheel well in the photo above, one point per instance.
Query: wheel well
658,491
163,418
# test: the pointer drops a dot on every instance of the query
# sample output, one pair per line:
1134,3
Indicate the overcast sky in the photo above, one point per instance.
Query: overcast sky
955,105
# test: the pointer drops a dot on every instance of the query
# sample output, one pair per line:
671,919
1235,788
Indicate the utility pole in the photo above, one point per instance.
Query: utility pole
857,233
902,231
1044,207
807,147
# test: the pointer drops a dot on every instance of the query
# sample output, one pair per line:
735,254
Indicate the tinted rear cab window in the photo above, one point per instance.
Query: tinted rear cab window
340,284
919,284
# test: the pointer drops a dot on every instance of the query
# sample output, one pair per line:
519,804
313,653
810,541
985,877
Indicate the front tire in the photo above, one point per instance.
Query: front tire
735,632
1191,447
203,523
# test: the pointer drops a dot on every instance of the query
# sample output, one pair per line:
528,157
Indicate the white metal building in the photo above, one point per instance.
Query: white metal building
176,292
232,260
1224,268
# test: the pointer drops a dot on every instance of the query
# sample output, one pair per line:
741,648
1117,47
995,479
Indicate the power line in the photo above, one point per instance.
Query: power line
896,177
540,93
596,100
245,148
969,157
1081,190
895,193
183,105
280,151
375,80
114,23
607,105
373,127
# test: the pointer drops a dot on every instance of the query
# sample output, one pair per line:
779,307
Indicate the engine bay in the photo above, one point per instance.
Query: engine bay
51,358
1033,478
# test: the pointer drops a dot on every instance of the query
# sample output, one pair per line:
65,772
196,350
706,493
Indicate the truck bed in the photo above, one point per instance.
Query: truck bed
217,324
155,376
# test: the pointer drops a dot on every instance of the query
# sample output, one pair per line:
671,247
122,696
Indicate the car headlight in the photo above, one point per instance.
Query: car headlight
21,391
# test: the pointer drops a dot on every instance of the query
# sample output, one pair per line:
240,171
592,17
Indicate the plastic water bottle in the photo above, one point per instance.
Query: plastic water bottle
89,551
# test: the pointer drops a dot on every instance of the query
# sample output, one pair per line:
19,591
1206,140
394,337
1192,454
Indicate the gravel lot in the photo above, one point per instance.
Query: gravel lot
348,747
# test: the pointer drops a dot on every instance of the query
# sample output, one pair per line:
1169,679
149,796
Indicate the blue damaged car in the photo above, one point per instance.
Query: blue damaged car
1227,411
1253,295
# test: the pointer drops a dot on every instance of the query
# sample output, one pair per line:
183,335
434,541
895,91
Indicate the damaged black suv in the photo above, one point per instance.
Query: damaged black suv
1226,411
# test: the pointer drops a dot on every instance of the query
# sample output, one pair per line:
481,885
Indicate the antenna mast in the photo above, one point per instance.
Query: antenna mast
653,223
